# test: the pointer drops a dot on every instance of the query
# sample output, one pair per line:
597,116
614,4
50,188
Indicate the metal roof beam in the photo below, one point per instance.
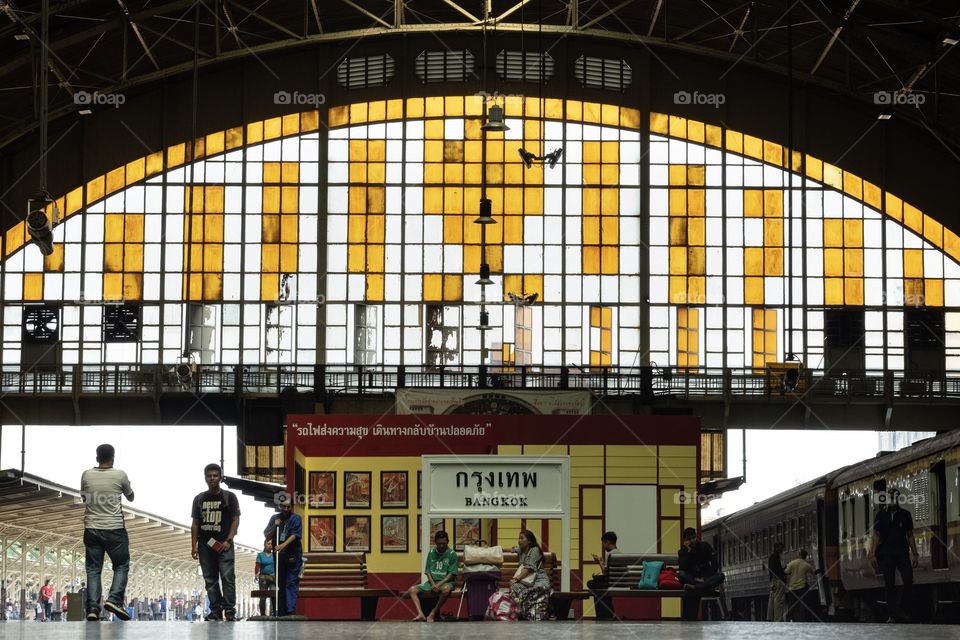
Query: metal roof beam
136,31
835,36
373,16
267,21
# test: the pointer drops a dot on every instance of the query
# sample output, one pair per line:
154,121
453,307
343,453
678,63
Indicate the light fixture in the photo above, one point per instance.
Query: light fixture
884,116
550,160
949,41
84,112
21,37
485,217
495,119
39,224
527,157
484,275
184,370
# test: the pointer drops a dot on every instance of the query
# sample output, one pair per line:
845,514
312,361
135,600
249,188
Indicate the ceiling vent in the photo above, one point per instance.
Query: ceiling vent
363,73
121,323
444,66
611,74
525,66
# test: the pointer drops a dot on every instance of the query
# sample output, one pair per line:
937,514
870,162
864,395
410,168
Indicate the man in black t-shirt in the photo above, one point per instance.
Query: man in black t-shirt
699,572
893,543
216,517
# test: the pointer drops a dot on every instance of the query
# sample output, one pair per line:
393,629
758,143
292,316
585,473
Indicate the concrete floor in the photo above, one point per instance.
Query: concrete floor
468,630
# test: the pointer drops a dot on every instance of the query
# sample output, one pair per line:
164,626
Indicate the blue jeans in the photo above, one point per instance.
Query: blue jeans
116,544
218,574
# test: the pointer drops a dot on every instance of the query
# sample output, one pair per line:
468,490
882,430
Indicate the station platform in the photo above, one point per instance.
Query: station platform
246,630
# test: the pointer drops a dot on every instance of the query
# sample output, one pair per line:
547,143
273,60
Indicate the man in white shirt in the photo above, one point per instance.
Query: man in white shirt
104,532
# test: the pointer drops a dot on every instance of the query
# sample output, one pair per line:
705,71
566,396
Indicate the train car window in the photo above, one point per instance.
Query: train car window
803,532
953,493
780,532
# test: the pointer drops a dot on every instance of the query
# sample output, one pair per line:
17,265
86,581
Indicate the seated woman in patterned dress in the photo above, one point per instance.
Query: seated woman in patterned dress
530,586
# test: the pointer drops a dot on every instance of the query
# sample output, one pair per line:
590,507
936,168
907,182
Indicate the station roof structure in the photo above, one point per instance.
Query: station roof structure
34,505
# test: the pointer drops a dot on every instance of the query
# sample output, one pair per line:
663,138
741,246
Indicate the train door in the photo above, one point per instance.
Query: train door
937,483
821,555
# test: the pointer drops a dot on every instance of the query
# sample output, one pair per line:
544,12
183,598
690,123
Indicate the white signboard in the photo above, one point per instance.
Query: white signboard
488,486
498,487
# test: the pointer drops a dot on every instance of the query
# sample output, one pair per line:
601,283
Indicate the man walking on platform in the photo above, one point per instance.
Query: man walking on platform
104,532
893,544
216,517
288,527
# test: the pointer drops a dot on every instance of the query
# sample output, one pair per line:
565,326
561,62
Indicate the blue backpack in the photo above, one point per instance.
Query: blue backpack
651,573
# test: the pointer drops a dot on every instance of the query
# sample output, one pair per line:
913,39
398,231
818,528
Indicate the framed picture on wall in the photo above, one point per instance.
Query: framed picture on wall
356,489
322,490
393,489
393,534
465,531
323,533
419,489
356,533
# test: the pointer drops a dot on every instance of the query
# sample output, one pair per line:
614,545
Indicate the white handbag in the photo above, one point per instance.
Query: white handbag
473,554
527,580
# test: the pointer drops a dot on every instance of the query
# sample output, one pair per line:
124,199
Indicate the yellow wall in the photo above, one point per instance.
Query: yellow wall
667,466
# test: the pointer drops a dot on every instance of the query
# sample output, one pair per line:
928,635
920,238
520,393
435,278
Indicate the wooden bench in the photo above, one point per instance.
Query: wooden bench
559,600
624,571
336,575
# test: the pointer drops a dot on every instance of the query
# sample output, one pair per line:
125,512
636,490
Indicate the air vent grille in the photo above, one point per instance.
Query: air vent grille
444,66
611,74
363,73
525,66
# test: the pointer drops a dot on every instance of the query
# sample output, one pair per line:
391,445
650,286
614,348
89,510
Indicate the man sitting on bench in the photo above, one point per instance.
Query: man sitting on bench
442,567
699,571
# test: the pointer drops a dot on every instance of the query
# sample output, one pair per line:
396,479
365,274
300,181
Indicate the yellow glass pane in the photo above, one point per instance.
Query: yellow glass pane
773,203
872,195
753,203
376,228
269,286
356,228
753,261
113,227
833,232
453,229
853,291
433,129
677,175
852,233
471,259
696,287
452,288
375,258
591,112
54,261
696,202
833,262
933,292
610,115
833,291
629,118
772,153
338,116
814,168
254,135
135,170
913,292
659,123
195,291
289,124
753,290
678,261
678,127
610,260
132,286
374,288
773,232
272,128
74,201
832,176
913,263
913,218
696,175
697,261
394,109
113,258
678,289
933,231
212,257
356,258
116,179
414,107
513,229
696,231
376,199
894,207
773,262
678,231
852,185
533,201
133,257
433,287
853,262
270,228
695,130
591,230
609,231
678,202
288,258
112,286
753,147
154,163
951,244
734,141
591,260
289,231
453,150
309,121
377,111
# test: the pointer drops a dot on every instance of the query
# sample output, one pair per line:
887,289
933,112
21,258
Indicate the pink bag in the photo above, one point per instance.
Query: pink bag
501,606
